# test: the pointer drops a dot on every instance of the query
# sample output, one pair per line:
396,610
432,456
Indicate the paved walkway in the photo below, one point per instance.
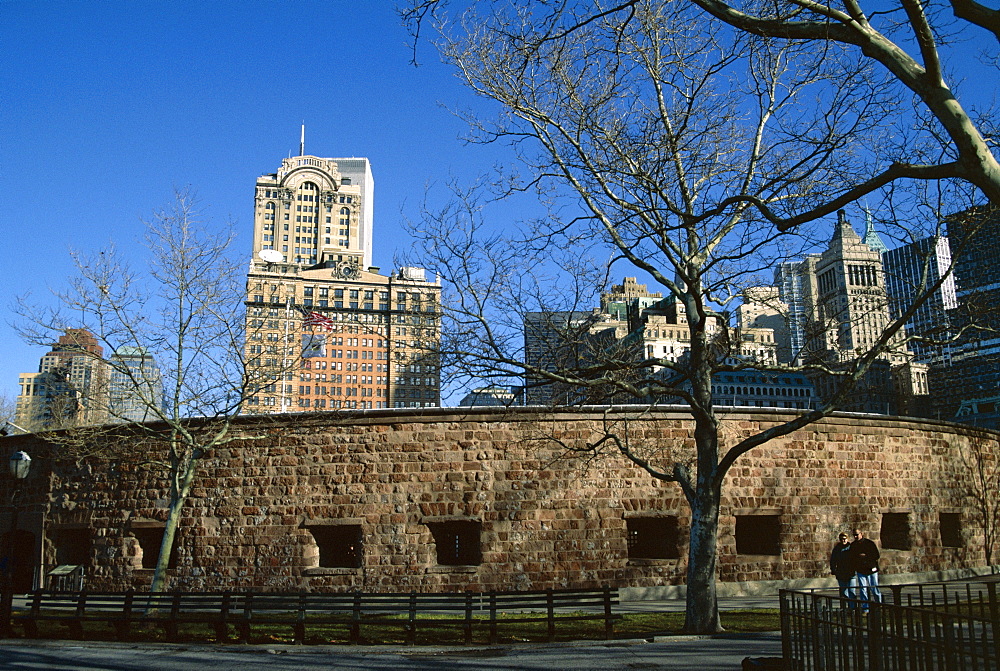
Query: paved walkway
721,653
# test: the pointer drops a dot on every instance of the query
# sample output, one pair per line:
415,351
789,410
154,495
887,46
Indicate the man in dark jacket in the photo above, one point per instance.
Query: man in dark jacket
842,567
864,556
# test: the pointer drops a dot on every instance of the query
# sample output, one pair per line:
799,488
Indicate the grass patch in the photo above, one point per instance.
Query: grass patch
639,625
433,630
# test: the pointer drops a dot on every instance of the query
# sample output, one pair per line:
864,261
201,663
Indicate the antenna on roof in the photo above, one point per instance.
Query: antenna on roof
302,140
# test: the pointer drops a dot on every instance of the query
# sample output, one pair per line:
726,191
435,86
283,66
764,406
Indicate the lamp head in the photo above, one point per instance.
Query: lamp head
20,463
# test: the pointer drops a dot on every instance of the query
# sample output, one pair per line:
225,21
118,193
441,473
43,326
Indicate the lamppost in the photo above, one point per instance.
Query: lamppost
20,464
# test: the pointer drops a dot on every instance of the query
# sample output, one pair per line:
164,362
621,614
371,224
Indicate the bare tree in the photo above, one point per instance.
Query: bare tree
177,374
982,461
905,39
8,407
671,146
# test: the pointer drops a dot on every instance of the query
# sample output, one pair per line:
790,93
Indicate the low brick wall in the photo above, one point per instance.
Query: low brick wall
547,517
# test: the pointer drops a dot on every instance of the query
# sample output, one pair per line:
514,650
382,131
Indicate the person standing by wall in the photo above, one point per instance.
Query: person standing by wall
864,557
842,567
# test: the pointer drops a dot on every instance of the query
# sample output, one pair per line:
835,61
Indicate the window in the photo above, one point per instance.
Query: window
150,539
457,542
758,534
895,531
72,546
951,529
340,545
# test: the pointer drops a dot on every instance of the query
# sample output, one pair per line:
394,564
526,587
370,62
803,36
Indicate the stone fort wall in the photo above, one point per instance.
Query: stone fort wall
546,517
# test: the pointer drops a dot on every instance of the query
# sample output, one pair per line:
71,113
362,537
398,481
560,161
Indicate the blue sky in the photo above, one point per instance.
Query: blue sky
106,106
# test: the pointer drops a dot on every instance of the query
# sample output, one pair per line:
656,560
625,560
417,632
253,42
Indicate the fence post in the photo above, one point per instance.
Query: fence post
411,632
247,616
222,625
991,590
876,644
815,634
468,618
356,619
786,626
493,618
950,662
551,615
608,621
6,609
898,634
123,627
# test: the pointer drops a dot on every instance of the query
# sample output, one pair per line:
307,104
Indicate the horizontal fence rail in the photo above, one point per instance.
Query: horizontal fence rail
302,611
945,626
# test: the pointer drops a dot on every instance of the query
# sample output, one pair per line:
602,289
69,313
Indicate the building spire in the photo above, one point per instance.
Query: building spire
872,238
302,140
844,232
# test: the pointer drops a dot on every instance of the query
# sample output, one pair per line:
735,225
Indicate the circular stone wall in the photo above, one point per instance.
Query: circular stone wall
493,499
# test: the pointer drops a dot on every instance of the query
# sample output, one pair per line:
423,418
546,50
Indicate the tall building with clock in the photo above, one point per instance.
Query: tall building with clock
326,330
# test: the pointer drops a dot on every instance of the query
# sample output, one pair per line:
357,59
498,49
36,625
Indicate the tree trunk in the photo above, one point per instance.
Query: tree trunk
169,533
702,609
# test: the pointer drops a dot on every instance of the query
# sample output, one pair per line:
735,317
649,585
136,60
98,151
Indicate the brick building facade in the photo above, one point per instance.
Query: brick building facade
481,499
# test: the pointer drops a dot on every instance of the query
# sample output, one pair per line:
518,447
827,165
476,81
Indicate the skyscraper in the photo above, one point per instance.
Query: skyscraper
849,306
326,330
844,296
792,279
966,387
909,270
557,341
135,386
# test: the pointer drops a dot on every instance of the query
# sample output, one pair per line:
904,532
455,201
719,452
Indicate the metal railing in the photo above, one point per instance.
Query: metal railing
946,626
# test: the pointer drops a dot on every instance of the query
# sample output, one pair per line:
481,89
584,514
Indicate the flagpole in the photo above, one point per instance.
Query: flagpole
284,350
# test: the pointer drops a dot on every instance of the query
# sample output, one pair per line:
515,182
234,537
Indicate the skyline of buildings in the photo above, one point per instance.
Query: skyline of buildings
75,385
327,330
824,310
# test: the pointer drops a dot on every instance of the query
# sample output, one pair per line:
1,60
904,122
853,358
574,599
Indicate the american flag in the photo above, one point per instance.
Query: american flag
310,318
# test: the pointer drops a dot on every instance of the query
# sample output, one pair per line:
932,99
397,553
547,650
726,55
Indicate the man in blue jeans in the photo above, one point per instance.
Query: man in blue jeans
864,557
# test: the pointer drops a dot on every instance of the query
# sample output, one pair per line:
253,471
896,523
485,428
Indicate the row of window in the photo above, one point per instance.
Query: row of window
347,354
416,393
761,534
415,381
458,542
312,230
270,401
309,301
354,294
314,364
306,197
334,316
341,379
339,391
761,391
353,305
